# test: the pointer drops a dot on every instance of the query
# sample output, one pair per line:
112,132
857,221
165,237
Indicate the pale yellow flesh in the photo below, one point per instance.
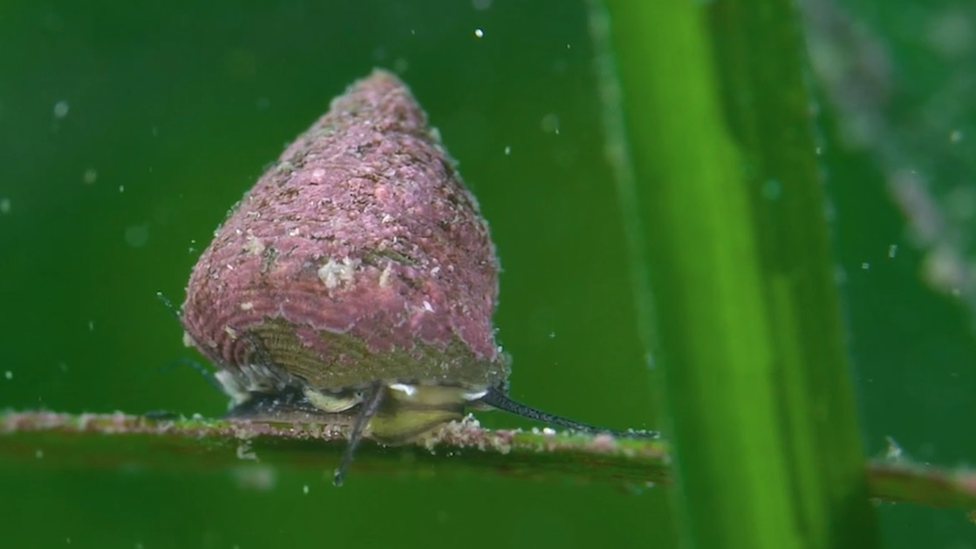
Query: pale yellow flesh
408,411
332,403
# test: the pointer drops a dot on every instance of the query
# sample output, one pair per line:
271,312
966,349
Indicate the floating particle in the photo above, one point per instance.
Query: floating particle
550,123
137,235
89,177
61,109
5,205
479,33
893,450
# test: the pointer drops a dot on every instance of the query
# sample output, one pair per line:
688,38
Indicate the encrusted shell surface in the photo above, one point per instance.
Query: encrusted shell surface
359,257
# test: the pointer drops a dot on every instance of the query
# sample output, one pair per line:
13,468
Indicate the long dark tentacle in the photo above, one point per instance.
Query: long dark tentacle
371,404
498,399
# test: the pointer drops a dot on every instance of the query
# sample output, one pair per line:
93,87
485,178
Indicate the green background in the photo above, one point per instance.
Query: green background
176,108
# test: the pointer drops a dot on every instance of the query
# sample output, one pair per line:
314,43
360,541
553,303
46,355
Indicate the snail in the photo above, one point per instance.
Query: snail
356,282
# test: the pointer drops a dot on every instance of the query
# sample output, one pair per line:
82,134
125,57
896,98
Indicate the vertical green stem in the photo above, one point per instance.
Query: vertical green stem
748,326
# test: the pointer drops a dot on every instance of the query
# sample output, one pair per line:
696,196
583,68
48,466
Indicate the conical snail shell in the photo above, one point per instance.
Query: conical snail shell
356,281
359,257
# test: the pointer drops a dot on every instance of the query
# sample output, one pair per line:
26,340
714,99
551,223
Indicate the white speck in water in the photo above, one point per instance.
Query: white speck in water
479,33
121,188
508,150
550,123
892,250
893,451
5,205
955,136
89,176
91,325
548,431
39,454
865,265
428,307
8,374
305,489
61,109
818,151
137,235
480,5
552,335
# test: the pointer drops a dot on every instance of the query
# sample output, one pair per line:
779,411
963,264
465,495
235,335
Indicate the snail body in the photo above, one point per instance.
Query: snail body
356,281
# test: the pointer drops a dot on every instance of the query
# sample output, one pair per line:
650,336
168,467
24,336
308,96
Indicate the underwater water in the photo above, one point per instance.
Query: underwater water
127,132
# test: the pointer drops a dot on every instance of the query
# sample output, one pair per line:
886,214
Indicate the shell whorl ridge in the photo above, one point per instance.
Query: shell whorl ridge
359,256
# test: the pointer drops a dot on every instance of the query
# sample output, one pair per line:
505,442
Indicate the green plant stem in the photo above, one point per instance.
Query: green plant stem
748,330
48,441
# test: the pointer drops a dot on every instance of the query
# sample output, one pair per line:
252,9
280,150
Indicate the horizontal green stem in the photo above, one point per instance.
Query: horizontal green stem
32,441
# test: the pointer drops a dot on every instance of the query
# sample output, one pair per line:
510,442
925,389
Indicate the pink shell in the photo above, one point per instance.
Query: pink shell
359,256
